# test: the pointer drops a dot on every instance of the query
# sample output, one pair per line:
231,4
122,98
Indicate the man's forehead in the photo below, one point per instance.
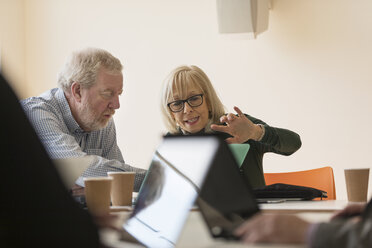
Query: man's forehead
110,81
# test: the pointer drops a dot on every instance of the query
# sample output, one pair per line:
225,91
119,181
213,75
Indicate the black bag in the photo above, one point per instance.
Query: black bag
282,191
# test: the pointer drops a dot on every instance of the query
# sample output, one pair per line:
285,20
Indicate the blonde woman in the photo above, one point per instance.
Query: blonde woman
190,105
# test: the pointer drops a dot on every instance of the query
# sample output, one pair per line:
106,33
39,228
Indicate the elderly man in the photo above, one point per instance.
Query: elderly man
76,118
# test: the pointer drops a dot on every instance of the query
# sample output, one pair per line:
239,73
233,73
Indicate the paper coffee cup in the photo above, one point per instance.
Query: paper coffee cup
97,194
122,188
357,184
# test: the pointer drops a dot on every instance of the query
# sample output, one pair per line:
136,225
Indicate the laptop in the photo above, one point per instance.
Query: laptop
71,168
226,199
185,169
173,182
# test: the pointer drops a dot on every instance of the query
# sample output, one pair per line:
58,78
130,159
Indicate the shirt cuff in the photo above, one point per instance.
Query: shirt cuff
263,131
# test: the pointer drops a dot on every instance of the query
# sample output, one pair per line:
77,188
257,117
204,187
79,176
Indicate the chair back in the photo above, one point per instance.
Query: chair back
320,178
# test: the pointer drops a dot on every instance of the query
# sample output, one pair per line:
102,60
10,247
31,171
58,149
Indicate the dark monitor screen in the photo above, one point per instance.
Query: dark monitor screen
226,199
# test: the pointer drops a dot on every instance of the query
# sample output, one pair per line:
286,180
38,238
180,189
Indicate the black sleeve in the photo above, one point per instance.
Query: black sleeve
278,140
35,208
344,233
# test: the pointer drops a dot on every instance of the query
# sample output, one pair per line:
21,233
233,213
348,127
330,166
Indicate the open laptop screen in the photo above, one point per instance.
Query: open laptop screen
169,190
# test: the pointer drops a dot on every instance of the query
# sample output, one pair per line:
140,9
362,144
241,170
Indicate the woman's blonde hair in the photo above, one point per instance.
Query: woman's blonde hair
177,82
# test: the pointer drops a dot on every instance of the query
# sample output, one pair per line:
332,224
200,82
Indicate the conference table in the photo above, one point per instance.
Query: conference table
196,234
291,207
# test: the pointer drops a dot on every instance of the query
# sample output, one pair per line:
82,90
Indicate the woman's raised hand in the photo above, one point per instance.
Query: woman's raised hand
239,127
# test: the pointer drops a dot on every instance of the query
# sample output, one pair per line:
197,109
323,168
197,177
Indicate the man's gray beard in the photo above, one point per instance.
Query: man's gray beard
90,121
96,125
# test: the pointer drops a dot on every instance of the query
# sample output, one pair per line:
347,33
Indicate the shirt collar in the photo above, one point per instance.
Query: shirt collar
69,120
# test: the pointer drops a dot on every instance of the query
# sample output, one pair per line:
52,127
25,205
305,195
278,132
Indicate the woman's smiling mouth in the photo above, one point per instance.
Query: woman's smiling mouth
192,121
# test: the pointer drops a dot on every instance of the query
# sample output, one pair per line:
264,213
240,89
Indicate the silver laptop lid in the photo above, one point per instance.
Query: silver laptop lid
169,190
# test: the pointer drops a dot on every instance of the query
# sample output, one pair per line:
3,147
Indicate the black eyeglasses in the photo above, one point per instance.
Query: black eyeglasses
192,101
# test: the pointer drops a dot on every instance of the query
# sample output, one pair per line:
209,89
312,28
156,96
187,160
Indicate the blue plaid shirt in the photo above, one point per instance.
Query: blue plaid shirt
62,136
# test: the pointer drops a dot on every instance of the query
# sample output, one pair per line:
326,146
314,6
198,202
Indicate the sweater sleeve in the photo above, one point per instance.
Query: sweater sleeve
277,140
343,234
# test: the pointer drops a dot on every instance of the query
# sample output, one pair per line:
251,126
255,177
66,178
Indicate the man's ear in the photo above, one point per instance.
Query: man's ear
76,91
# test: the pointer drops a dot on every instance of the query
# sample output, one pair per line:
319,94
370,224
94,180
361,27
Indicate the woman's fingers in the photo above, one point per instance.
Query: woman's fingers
223,119
230,117
240,113
220,128
231,140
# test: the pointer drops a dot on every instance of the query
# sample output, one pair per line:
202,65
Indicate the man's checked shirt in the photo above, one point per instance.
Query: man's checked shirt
62,137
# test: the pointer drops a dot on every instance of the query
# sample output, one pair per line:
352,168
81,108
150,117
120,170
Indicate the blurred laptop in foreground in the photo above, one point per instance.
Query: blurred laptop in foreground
71,169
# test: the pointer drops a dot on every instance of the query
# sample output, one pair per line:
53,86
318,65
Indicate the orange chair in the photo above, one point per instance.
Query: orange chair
321,178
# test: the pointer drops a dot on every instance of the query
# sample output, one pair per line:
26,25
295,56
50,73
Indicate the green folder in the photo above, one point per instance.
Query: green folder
240,152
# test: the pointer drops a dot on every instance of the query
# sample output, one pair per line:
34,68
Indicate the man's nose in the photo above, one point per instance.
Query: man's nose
115,103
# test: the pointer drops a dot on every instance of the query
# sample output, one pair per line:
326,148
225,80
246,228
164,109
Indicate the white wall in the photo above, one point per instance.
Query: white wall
310,72
12,40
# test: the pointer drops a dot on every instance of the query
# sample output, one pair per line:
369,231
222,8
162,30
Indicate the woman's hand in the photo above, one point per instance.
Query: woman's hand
239,127
351,210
